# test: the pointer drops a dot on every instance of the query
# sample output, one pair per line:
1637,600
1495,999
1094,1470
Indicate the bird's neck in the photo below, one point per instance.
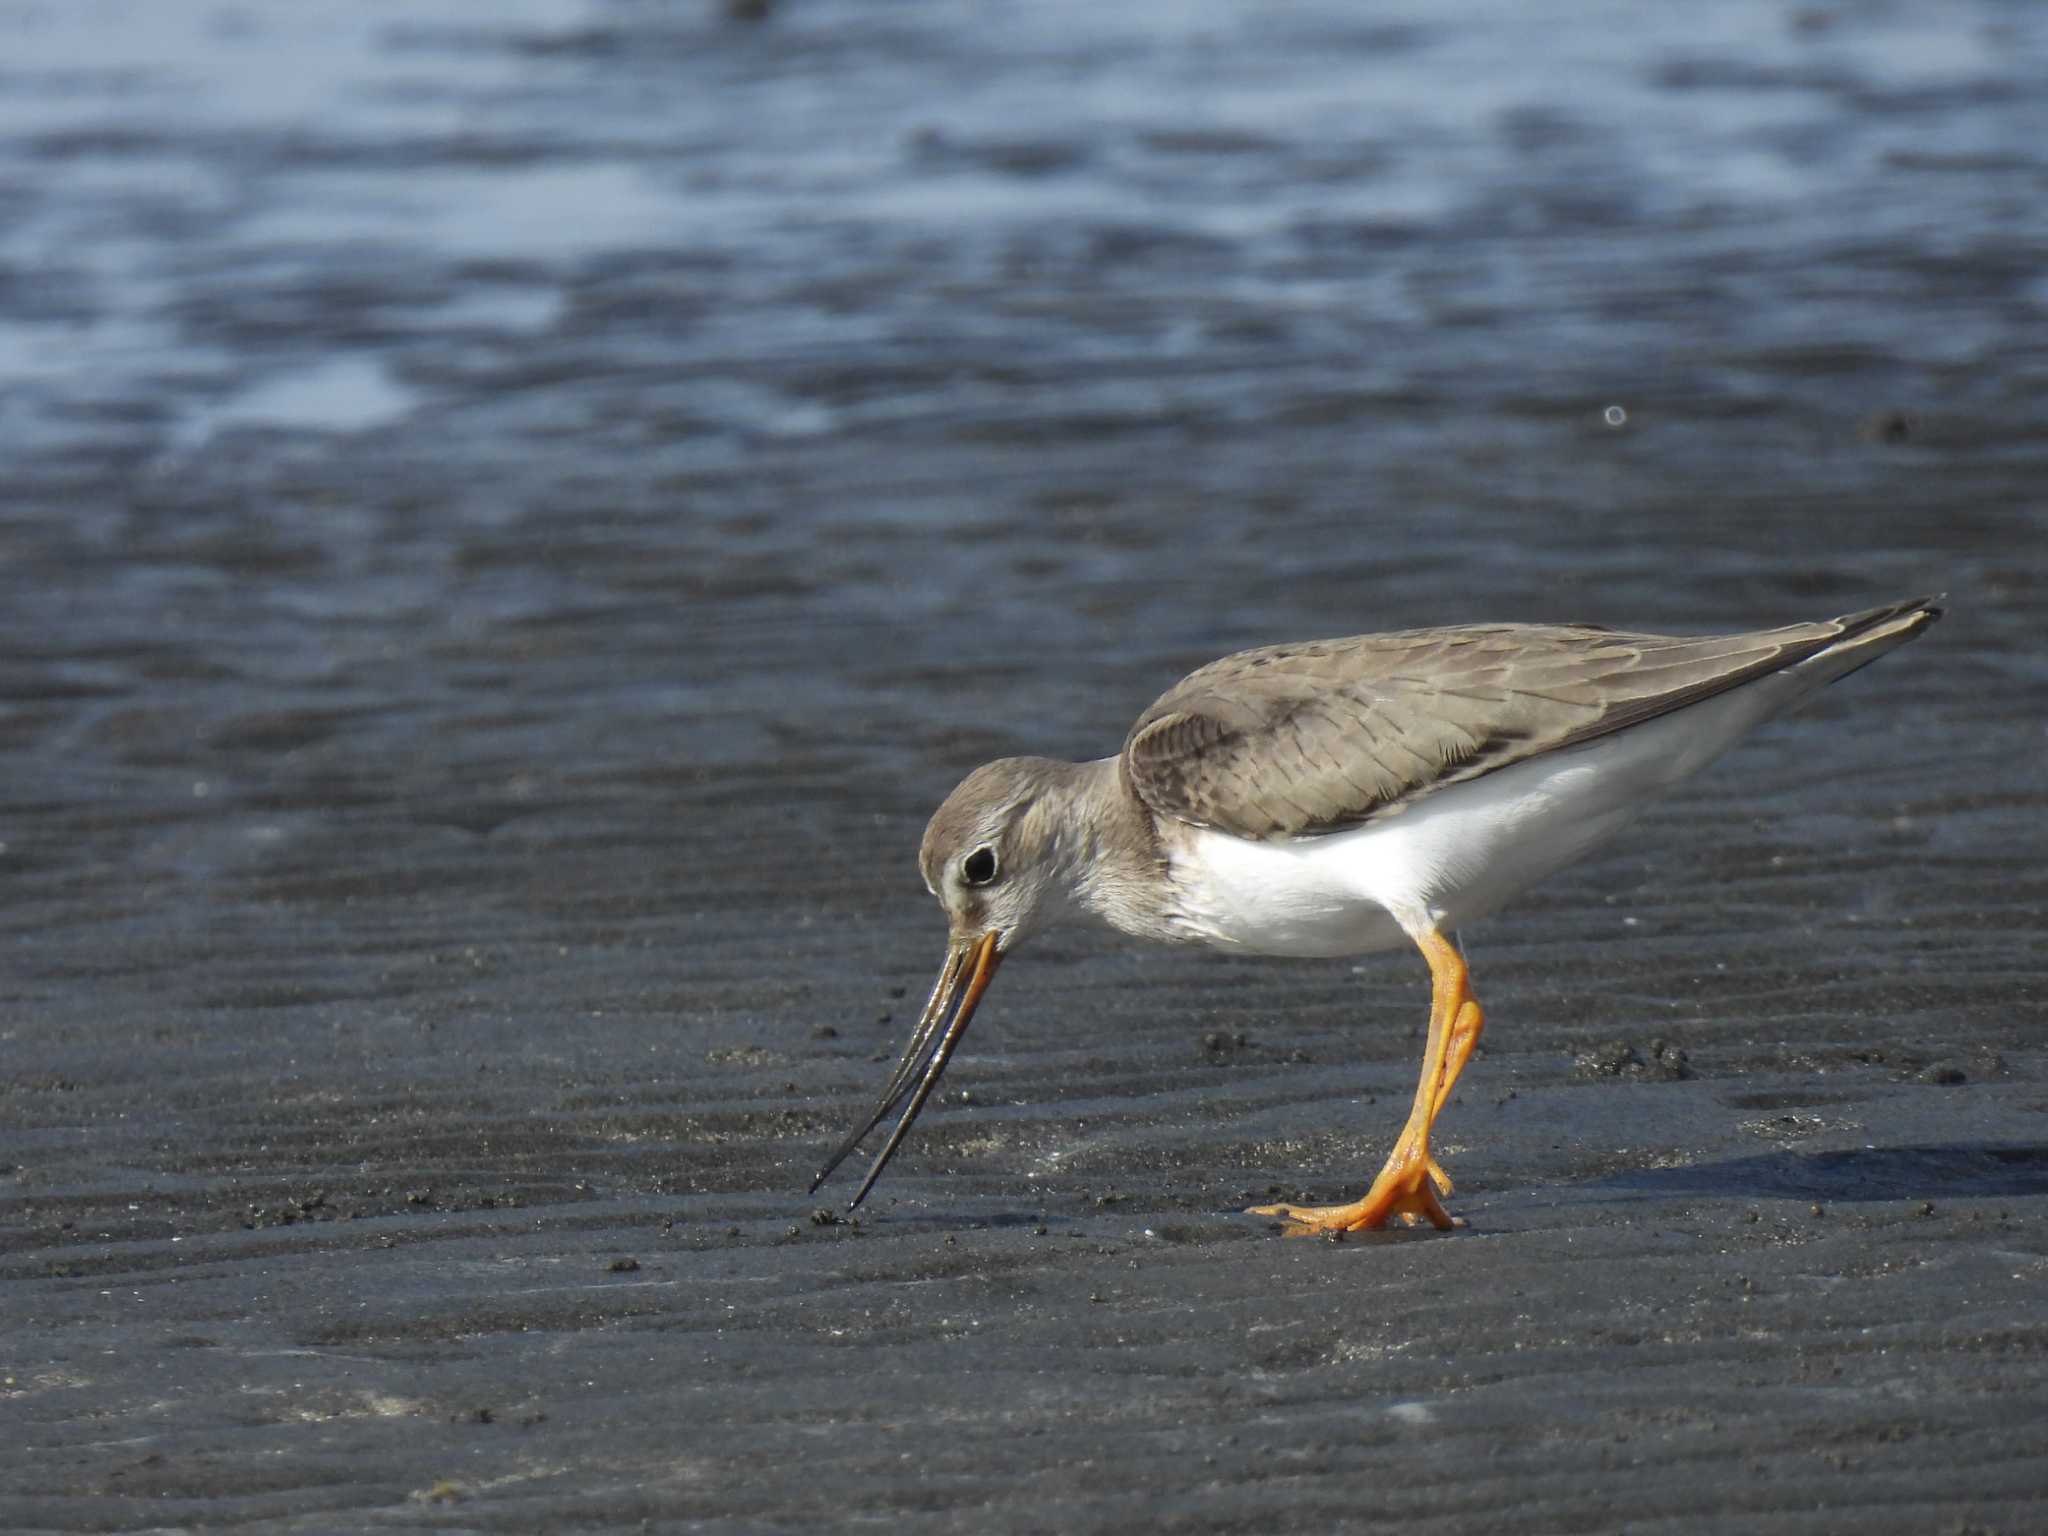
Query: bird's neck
1110,856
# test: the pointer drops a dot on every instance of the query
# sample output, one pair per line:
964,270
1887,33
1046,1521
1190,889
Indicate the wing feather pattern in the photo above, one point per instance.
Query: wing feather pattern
1294,740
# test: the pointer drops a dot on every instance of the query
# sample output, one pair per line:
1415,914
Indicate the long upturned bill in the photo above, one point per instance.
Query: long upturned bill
970,965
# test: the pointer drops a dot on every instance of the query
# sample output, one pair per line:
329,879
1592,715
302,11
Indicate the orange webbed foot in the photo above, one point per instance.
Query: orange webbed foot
1406,1195
1411,1185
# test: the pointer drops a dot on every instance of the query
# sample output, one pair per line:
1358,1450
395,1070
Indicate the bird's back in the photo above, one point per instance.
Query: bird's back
1302,740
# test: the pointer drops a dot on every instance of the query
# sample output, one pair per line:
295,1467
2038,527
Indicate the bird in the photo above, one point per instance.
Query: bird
1340,797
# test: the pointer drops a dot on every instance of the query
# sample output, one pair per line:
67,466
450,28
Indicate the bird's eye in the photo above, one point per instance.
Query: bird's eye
979,867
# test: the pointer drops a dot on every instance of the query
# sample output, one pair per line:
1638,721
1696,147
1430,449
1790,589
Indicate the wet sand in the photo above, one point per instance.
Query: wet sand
497,574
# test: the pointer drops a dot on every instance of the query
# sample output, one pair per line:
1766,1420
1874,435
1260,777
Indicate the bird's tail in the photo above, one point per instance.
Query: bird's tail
1863,637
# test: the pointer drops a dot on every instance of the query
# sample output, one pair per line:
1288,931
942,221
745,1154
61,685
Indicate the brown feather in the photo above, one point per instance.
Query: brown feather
1294,740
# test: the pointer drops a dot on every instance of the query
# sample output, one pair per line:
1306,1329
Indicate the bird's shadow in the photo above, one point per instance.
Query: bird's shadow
1960,1170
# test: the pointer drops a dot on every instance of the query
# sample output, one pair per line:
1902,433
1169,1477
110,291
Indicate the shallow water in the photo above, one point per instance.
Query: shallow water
512,516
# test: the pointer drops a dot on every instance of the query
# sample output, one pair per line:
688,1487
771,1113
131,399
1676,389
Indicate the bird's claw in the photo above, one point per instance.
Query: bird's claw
1399,1194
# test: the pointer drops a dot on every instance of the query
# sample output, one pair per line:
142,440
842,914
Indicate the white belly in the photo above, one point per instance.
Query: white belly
1455,856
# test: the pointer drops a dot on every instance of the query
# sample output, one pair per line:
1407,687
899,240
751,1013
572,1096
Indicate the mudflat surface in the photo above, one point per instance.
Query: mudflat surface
510,518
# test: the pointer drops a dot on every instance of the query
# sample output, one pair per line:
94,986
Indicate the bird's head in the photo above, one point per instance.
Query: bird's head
996,855
994,852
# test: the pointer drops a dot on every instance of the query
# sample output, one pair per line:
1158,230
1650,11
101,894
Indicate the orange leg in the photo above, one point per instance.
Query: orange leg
1464,1039
1404,1187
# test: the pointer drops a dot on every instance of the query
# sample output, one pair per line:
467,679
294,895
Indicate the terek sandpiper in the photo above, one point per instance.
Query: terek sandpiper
1342,796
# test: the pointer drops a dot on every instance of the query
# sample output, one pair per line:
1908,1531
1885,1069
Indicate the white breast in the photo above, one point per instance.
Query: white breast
1455,856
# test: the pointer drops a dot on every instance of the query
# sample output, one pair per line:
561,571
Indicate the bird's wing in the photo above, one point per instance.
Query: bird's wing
1294,740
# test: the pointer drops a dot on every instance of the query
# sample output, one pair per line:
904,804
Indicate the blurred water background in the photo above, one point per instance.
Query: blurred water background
340,342
511,514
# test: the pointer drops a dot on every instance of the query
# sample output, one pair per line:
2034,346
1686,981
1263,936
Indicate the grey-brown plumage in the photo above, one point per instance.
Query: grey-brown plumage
1295,740
1341,796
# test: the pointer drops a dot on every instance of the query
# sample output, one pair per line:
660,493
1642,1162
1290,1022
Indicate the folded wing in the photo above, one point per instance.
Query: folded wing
1294,740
